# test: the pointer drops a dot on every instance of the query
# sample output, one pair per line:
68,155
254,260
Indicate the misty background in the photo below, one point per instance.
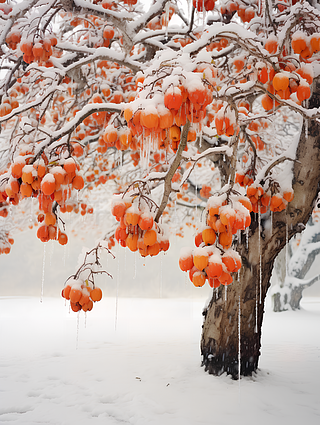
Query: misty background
33,267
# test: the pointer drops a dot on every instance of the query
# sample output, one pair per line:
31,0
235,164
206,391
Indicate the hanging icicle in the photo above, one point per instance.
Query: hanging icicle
52,244
260,262
161,276
256,325
43,269
260,279
247,238
167,17
78,325
117,289
31,211
239,338
287,245
134,265
306,127
200,138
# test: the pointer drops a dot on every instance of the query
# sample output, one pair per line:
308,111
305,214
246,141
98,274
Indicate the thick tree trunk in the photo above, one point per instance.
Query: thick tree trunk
225,339
226,343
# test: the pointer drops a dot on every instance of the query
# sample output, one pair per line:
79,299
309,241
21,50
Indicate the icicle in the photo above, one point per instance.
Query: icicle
148,153
167,19
134,265
287,245
259,225
203,14
239,339
145,152
78,323
260,278
306,126
117,289
161,276
247,238
64,254
256,325
260,267
225,293
196,193
175,220
43,269
271,218
31,211
51,251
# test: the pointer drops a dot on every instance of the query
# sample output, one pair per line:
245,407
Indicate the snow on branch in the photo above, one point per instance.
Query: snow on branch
225,150
156,9
101,53
21,109
84,113
295,282
117,17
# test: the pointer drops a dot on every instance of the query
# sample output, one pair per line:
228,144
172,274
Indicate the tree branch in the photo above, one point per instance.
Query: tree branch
172,170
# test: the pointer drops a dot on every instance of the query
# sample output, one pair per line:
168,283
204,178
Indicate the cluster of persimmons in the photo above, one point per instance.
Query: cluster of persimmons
49,183
246,10
163,122
81,295
292,81
213,259
137,228
273,198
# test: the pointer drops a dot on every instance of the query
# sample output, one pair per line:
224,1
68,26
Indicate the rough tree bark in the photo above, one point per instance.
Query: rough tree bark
222,331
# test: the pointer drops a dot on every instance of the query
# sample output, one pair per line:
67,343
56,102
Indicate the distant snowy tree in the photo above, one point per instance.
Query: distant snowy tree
293,263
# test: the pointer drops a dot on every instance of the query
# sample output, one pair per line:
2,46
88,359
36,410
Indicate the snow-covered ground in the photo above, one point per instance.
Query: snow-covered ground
137,361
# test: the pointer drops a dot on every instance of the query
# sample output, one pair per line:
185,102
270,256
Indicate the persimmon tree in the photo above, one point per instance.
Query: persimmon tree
139,98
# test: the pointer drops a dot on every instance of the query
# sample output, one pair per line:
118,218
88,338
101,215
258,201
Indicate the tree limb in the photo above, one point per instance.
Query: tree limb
172,170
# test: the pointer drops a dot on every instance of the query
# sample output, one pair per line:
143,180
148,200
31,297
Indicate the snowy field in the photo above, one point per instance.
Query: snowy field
137,361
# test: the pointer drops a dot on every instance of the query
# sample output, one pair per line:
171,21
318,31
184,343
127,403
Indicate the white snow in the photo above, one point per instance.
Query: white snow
148,370
200,252
185,252
48,178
